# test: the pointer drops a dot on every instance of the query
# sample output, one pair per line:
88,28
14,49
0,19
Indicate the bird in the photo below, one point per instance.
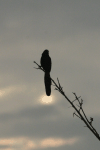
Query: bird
46,65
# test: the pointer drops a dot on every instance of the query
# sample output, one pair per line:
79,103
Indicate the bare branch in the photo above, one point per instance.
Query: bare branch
78,112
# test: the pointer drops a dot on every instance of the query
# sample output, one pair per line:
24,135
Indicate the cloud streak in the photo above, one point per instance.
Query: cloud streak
31,144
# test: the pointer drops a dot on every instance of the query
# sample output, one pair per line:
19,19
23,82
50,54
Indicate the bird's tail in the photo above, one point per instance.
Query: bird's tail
47,81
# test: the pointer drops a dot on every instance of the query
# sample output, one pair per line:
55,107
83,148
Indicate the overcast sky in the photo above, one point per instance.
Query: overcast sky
70,30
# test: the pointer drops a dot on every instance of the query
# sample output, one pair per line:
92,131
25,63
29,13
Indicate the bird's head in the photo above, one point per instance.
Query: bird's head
46,52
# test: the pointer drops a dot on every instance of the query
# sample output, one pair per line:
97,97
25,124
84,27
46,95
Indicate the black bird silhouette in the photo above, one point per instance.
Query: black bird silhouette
46,64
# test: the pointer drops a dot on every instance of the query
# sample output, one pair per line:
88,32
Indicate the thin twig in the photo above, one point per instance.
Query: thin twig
79,114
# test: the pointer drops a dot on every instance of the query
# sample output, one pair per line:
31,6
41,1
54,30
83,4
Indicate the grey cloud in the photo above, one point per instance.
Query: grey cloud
48,20
70,30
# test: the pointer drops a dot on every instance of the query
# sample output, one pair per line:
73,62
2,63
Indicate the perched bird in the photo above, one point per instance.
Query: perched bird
46,64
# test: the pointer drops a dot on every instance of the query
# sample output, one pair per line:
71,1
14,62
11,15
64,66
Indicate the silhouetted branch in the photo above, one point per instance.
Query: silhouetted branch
78,112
